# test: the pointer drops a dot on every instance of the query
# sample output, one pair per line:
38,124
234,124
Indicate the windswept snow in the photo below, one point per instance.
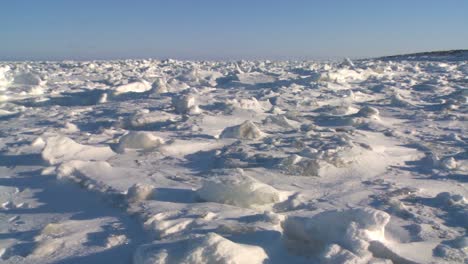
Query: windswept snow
147,161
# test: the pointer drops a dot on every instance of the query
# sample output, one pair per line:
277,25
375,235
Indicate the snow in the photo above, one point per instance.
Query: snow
139,140
246,130
150,161
340,234
238,189
209,248
140,192
27,78
60,148
134,87
184,104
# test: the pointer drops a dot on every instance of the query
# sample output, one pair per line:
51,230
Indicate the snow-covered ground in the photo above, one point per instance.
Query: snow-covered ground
146,161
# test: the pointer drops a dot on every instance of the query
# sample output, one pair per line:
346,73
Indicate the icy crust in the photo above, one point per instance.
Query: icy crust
237,189
60,148
209,248
336,236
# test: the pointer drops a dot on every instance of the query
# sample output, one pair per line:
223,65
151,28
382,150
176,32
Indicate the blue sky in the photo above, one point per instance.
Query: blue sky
224,29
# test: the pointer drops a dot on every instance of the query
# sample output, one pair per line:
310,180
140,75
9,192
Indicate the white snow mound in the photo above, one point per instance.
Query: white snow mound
209,248
139,140
134,87
239,190
139,192
184,104
144,119
28,78
368,111
4,76
350,229
246,130
59,149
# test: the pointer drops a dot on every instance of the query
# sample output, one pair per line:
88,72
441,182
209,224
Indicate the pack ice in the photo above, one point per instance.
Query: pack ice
169,161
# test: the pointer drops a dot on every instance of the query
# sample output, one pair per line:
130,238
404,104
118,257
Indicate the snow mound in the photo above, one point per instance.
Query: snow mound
185,104
347,63
449,199
398,100
254,78
65,237
159,86
246,130
82,169
139,140
282,121
243,103
27,78
133,87
22,84
298,165
239,190
147,119
168,224
336,234
4,76
139,192
368,111
209,248
341,76
59,149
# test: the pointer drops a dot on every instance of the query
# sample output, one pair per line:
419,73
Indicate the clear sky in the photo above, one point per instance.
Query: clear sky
228,29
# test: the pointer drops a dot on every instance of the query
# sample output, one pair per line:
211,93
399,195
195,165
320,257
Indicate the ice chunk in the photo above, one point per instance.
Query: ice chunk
243,103
449,163
368,111
336,254
139,192
348,63
246,130
298,165
159,86
28,78
351,229
135,87
168,223
59,149
239,190
140,119
38,143
139,140
183,104
449,199
103,98
4,76
209,248
398,100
